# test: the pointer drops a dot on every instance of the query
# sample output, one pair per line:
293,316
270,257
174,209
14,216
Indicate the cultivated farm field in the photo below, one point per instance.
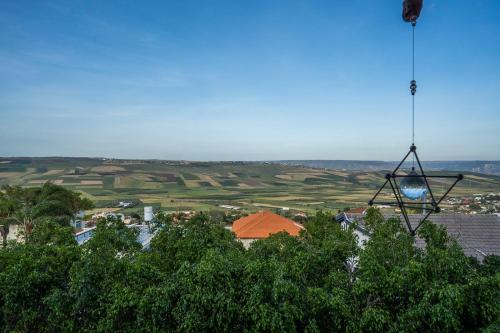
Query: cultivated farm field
181,185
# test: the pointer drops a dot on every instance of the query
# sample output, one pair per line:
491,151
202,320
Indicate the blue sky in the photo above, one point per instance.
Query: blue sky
248,80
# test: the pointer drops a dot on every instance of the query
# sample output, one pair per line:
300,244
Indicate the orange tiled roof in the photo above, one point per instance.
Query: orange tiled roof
263,224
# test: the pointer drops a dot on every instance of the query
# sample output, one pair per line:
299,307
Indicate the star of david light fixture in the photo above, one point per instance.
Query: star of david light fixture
411,189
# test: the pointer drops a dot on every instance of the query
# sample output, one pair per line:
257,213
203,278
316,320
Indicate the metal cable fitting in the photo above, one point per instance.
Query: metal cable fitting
413,87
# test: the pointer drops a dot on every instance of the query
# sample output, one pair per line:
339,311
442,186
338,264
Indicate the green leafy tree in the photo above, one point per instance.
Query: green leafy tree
197,276
402,288
103,265
188,241
9,204
26,206
30,277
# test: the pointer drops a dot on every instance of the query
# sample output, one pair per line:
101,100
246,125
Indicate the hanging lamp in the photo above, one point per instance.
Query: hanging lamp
411,189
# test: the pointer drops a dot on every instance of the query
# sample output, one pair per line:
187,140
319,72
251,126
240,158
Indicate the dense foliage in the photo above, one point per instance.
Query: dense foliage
197,277
28,206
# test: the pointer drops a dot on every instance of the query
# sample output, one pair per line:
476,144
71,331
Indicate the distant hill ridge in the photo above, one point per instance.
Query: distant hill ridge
485,167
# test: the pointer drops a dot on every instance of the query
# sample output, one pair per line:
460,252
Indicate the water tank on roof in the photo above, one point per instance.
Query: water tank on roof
148,214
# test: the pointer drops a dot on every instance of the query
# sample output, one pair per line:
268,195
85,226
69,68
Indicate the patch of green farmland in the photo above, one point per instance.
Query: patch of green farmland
228,182
134,191
108,182
190,176
13,168
98,192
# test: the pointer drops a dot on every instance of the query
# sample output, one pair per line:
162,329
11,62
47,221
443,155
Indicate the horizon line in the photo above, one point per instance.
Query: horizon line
228,160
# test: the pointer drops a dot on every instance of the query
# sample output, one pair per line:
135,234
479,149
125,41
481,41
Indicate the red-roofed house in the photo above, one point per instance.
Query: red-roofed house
357,210
262,225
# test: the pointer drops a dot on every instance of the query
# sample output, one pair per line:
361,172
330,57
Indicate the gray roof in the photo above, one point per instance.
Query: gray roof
479,234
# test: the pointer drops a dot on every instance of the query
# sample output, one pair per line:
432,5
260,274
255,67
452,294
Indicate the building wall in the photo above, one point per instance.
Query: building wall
362,238
247,242
84,235
13,230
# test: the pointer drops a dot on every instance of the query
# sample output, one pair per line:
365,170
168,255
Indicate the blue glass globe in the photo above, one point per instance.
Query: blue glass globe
413,187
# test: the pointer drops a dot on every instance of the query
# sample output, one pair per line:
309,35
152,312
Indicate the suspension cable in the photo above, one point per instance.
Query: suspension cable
413,85
413,88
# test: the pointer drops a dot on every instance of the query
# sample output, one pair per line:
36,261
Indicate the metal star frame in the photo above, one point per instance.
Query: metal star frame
401,203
